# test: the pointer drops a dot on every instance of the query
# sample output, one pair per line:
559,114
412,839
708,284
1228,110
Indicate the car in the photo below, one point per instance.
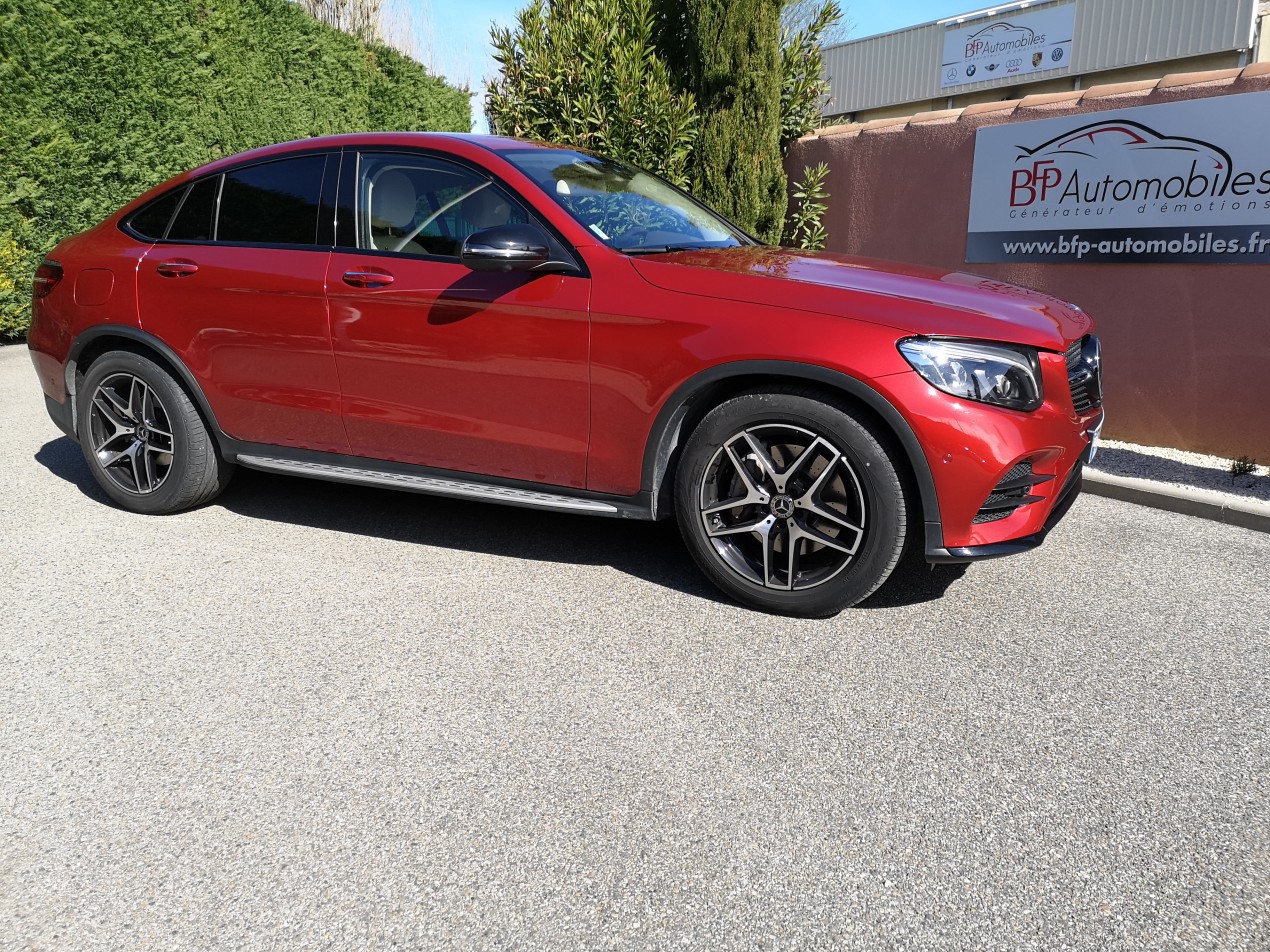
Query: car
493,319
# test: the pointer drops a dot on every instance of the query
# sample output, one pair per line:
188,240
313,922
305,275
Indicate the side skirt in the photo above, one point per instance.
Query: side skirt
386,475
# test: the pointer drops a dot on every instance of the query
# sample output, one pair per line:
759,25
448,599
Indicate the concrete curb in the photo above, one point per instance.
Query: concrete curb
1191,502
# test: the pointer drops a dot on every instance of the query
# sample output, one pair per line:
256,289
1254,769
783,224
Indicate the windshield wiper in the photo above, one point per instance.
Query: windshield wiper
659,249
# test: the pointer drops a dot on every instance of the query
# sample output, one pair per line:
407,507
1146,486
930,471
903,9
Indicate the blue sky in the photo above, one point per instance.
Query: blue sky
458,35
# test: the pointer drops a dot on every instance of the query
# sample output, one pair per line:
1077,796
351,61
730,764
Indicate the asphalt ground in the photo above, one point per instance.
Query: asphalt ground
318,717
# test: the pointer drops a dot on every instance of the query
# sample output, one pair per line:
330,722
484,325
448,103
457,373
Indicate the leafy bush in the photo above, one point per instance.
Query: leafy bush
804,89
804,228
586,73
103,99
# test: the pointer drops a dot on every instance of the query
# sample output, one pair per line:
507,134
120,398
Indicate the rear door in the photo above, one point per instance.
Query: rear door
236,288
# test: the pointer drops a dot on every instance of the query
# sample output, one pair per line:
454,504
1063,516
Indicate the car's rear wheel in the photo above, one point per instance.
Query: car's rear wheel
789,503
143,438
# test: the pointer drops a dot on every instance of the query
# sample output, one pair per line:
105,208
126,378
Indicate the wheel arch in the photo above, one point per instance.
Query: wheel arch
697,396
93,342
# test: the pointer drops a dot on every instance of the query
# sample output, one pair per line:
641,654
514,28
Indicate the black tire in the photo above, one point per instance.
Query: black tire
144,440
824,506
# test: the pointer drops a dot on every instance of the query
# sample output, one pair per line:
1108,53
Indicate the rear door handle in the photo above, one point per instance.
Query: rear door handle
368,279
176,269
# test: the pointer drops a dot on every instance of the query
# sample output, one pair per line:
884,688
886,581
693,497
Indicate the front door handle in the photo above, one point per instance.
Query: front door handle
368,279
179,268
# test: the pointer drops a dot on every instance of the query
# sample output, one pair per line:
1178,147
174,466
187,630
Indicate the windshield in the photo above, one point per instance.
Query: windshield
627,209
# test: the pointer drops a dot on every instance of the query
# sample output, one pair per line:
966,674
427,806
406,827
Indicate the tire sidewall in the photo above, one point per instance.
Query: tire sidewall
885,524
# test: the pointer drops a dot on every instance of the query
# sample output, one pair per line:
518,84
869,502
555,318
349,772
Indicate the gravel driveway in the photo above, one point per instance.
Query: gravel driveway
313,716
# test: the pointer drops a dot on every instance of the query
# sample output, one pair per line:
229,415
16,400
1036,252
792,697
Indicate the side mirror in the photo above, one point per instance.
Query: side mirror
511,248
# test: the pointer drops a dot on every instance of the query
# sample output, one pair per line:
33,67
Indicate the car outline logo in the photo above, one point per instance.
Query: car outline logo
1101,140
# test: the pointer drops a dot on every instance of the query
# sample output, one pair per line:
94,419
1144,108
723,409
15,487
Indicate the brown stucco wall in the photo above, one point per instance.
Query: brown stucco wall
1186,347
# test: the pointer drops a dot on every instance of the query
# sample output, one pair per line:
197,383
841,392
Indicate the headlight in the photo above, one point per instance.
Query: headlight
990,373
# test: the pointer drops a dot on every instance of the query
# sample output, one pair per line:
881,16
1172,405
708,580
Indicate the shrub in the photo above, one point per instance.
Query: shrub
804,228
586,73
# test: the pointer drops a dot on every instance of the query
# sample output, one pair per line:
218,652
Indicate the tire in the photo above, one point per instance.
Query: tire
765,468
144,440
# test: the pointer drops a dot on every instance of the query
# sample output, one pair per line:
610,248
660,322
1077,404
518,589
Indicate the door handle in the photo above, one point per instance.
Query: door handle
176,269
368,279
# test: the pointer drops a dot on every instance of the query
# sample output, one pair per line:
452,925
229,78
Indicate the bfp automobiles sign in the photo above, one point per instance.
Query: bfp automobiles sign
1005,46
1184,181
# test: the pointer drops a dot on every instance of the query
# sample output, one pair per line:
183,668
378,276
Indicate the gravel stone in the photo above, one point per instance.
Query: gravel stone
1181,470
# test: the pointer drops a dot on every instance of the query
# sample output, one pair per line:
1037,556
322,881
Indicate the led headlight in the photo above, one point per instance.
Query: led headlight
990,373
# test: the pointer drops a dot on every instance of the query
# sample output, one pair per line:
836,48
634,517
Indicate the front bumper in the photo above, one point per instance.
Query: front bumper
936,553
1002,478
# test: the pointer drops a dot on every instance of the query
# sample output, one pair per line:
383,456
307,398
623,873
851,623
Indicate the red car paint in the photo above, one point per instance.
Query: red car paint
562,380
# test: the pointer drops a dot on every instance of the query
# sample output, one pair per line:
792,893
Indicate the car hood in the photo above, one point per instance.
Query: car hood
912,299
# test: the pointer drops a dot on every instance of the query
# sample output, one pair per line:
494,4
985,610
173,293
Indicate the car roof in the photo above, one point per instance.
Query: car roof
449,141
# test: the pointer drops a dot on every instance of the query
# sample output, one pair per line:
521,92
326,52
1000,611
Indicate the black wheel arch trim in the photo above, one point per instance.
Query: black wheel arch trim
137,336
664,437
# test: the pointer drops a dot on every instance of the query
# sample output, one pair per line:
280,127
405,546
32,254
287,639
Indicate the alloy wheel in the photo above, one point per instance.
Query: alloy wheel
131,434
783,507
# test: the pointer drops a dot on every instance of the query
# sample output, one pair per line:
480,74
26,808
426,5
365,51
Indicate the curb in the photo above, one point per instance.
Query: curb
1190,502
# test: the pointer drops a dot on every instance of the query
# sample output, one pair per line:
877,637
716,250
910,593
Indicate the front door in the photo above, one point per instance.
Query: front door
445,367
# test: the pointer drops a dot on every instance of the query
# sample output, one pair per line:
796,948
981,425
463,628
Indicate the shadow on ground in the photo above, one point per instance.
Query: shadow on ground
651,551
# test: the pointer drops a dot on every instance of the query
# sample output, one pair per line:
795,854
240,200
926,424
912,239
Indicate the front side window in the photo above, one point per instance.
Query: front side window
273,204
413,204
626,208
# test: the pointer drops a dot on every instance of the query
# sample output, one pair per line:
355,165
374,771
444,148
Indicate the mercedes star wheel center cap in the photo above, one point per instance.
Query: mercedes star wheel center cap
782,506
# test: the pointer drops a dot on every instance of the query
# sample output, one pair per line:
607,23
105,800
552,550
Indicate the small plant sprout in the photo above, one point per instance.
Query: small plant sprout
1243,466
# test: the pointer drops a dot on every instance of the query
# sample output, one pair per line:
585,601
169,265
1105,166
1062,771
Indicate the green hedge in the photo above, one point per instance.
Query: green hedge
102,99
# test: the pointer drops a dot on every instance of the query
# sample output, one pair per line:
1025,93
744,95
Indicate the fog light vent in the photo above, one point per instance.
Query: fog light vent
1011,493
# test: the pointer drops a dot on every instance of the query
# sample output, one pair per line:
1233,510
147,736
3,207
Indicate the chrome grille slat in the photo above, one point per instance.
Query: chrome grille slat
1086,386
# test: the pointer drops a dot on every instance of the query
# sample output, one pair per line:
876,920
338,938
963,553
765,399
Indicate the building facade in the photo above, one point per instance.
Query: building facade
1019,49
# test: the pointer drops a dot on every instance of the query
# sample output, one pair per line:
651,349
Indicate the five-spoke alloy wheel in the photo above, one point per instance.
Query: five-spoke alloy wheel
143,439
790,504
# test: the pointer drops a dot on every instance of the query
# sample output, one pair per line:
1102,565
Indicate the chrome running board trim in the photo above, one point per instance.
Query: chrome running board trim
431,485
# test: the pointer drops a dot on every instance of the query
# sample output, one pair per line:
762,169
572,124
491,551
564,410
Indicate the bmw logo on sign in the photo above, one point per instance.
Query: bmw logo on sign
970,70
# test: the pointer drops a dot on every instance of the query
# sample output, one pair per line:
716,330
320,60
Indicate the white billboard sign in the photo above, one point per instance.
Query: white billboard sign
1009,45
1182,181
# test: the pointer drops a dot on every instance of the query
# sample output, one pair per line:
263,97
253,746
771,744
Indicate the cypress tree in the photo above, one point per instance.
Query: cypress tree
727,54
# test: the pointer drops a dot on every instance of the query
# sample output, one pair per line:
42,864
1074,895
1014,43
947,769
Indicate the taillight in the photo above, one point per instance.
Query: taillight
47,276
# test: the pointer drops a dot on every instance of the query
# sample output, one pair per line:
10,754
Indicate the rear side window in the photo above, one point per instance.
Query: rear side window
194,219
275,203
152,220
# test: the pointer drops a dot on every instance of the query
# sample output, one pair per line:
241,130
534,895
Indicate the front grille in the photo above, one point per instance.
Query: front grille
1010,494
1084,373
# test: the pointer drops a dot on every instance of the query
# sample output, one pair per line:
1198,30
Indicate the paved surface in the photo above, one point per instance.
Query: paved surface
311,716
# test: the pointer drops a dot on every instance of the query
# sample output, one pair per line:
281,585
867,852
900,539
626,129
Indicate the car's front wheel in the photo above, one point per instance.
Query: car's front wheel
144,440
790,504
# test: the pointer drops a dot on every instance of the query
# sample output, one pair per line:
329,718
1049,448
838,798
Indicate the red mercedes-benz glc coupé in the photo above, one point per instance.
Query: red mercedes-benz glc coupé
500,320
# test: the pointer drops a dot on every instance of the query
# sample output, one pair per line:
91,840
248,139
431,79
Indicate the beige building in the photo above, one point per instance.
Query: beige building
1018,49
